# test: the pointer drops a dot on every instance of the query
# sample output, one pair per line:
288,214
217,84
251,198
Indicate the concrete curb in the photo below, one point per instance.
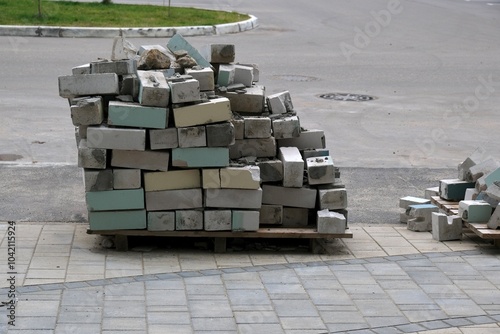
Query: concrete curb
48,31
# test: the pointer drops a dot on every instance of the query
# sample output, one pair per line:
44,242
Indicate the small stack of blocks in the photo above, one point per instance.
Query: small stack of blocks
182,139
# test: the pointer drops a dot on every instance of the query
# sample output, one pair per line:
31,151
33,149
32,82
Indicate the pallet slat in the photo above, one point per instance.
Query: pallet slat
450,207
483,231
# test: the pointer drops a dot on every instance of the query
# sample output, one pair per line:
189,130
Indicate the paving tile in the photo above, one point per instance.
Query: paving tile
123,309
260,328
37,308
80,315
77,328
210,308
256,317
124,323
86,297
387,330
459,307
378,308
214,324
302,323
295,308
342,317
248,297
408,297
329,297
436,324
166,297
37,323
344,327
162,329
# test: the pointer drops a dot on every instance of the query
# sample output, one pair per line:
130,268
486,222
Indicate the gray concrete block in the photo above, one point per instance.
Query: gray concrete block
482,168
220,134
292,197
445,228
256,70
205,77
193,136
494,221
239,128
293,167
148,160
476,157
94,158
493,190
163,139
130,86
260,148
295,217
280,103
186,220
80,70
87,111
97,180
250,102
330,222
233,198
126,178
430,192
161,221
245,220
487,179
174,199
320,170
257,127
244,75
185,91
88,84
120,67
122,49
313,153
420,217
271,170
309,139
217,220
271,214
218,53
286,127
116,138
332,199
225,75
153,89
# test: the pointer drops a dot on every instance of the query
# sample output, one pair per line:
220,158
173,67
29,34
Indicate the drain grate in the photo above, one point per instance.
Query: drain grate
346,97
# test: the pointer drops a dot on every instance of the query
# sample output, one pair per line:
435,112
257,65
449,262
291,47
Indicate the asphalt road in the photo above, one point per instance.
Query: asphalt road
432,67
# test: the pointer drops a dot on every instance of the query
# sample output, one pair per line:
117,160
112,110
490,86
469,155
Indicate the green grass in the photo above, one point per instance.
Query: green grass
96,14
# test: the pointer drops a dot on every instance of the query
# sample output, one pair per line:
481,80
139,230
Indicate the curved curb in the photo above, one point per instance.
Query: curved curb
48,31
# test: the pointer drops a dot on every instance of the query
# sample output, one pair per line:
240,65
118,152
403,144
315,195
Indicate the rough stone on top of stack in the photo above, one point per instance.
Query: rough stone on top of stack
172,138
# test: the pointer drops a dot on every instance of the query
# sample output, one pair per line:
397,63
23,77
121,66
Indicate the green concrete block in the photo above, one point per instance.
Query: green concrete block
129,199
454,189
245,220
135,115
177,42
196,157
117,220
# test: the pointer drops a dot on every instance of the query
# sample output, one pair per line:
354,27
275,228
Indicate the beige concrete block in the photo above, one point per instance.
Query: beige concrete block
178,179
247,177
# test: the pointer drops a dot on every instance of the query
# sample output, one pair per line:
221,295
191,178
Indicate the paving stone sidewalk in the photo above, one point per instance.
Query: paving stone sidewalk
385,280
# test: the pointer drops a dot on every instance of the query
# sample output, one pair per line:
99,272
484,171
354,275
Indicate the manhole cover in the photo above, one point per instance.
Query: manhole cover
346,97
297,78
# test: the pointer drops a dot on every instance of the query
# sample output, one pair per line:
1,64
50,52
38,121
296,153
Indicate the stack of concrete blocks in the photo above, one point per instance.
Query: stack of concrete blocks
167,146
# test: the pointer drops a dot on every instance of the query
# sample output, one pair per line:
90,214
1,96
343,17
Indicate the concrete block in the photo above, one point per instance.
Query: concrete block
256,70
193,136
309,139
116,138
295,217
454,189
171,180
260,148
130,86
186,220
250,102
482,168
487,179
280,103
271,170
476,157
405,202
320,170
243,75
233,198
245,220
483,196
163,139
225,75
88,84
199,157
144,48
293,167
330,222
494,221
211,178
445,227
332,199
87,111
257,127
174,199
314,153
80,70
220,134
239,128
122,49
98,180
185,91
205,77
177,43
161,221
130,199
120,67
94,158
153,89
470,194
212,111
286,127
217,220
247,177
292,197
493,190
135,115
474,211
420,217
430,192
117,220
126,178
271,214
148,160
218,53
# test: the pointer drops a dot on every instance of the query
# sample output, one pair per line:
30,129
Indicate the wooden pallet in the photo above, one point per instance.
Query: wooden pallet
450,207
121,236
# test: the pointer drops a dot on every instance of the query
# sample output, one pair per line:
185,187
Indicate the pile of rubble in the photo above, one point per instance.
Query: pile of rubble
477,191
177,138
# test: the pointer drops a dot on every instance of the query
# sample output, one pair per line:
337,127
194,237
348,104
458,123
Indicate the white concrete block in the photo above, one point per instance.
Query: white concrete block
476,157
148,160
97,180
271,214
474,211
445,227
280,103
331,222
212,111
171,180
247,177
293,167
87,111
470,194
295,217
225,75
218,53
218,220
82,69
205,77
286,127
211,178
245,220
116,138
430,192
243,75
494,221
186,220
257,127
174,199
194,136
153,89
309,139
487,179
320,170
482,168
163,139
220,134
493,190
185,91
292,197
94,158
260,148
332,199
233,198
161,221
88,84
126,178
271,170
